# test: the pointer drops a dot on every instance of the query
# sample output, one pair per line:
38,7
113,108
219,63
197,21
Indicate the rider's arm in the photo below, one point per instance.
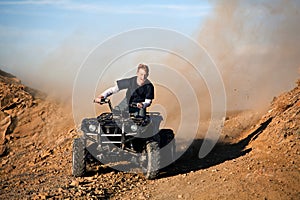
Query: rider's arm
147,103
110,91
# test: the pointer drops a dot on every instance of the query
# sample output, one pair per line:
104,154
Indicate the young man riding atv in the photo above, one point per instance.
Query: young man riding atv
139,90
128,132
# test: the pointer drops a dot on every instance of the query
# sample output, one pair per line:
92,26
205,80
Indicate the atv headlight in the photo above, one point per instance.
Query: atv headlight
134,127
92,127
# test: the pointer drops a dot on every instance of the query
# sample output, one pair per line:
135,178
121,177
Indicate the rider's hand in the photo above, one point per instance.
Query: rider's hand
98,99
140,105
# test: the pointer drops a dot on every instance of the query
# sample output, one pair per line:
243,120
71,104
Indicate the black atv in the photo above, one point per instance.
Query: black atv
118,136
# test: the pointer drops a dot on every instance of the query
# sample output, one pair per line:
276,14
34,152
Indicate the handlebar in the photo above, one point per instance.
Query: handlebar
104,101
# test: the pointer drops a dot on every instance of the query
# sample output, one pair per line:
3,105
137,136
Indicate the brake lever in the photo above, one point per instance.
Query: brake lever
95,101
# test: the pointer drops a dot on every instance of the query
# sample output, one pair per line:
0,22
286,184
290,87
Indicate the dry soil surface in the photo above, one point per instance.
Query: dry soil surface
257,158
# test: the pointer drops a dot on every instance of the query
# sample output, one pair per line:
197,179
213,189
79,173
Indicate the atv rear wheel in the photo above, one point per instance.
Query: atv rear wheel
167,147
78,158
153,160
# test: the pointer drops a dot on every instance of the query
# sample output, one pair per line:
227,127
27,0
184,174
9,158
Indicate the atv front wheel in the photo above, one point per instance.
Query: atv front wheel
153,160
78,158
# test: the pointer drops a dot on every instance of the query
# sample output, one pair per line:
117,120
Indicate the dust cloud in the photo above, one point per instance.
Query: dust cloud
256,46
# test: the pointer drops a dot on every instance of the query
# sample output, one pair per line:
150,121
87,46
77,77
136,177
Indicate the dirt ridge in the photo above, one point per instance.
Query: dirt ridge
261,162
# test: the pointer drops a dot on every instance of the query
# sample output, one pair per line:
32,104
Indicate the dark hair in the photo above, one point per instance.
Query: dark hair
144,67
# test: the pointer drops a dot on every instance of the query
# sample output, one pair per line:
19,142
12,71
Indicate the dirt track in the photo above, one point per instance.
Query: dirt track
256,161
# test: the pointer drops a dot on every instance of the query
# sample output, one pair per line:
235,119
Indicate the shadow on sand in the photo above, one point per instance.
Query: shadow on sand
222,152
189,161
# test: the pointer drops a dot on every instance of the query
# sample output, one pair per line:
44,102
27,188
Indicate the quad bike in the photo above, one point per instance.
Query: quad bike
122,136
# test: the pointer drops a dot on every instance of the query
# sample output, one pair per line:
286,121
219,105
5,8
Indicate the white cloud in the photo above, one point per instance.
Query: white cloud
187,10
160,9
33,2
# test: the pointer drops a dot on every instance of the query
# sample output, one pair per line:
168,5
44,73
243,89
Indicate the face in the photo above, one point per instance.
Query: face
141,76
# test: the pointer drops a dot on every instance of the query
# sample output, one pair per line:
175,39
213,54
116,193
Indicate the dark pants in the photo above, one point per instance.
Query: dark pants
123,106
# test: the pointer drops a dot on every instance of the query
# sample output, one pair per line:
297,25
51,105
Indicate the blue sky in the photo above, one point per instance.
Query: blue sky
58,35
30,30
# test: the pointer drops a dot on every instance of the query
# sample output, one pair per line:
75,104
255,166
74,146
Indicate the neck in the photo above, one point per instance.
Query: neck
140,83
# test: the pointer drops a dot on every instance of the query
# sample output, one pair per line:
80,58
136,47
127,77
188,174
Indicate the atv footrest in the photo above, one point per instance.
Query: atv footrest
112,135
111,142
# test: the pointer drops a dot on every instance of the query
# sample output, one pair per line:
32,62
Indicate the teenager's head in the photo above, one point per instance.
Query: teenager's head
142,73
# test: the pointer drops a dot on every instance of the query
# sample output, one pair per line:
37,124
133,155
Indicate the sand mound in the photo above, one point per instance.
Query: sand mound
255,160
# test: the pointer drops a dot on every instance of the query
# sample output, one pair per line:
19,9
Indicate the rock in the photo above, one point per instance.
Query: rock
43,195
60,191
46,154
74,183
4,162
2,149
89,178
5,121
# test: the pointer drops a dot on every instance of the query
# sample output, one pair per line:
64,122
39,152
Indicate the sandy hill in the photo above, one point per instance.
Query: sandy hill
35,146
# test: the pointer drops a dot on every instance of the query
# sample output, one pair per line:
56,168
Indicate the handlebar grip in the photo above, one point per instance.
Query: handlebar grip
102,101
133,104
